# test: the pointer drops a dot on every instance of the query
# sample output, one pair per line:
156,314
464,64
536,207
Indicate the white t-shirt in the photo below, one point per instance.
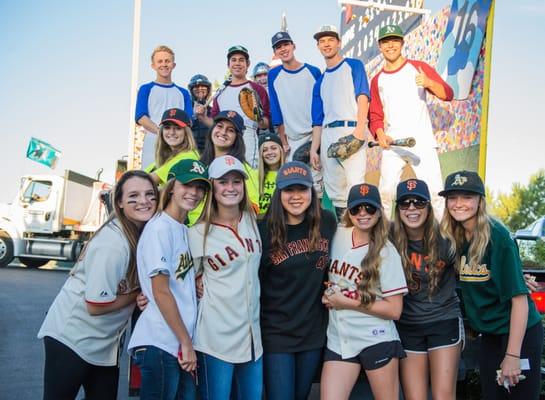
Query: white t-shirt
349,331
95,279
228,319
163,249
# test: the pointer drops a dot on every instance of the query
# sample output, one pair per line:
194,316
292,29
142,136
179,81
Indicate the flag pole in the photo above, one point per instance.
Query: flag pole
134,80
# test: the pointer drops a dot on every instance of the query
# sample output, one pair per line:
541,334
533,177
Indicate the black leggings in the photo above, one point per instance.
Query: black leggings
492,353
65,372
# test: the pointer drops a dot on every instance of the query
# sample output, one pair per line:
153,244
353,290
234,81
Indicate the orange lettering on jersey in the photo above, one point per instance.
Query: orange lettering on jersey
344,269
223,263
352,271
249,245
213,264
416,260
231,253
333,266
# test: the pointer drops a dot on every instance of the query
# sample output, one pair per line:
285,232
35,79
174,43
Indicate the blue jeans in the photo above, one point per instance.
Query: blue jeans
162,377
216,378
288,376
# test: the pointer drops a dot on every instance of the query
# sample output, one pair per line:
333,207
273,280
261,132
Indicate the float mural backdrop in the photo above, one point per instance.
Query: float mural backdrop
460,125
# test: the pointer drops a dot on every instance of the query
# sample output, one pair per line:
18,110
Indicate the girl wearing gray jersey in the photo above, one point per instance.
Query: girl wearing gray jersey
430,327
84,325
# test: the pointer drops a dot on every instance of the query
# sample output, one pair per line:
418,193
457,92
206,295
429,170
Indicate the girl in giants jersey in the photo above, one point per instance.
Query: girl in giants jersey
85,323
430,326
271,158
175,143
161,343
226,249
364,297
496,299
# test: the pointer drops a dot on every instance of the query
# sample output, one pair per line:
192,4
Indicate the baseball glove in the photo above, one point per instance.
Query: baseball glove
344,147
250,104
302,153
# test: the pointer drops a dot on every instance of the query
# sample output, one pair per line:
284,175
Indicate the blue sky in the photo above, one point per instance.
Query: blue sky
66,67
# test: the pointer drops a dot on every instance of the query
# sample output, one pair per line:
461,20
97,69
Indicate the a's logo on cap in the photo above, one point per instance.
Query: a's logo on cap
229,161
390,29
231,114
364,189
197,168
411,185
459,180
172,113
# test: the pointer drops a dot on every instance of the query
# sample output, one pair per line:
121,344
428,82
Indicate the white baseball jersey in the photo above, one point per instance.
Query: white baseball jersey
228,317
94,279
349,331
163,249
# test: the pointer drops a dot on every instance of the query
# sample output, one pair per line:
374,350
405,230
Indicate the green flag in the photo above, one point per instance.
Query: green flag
42,152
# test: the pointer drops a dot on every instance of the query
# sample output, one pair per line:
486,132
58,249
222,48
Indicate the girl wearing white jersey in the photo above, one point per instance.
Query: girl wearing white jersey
364,297
161,343
85,323
430,326
226,249
175,143
271,158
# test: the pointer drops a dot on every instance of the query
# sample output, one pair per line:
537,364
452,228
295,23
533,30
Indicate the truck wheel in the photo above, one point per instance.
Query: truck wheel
6,249
33,262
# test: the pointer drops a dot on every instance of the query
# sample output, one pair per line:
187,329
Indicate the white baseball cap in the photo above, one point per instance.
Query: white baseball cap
225,164
327,30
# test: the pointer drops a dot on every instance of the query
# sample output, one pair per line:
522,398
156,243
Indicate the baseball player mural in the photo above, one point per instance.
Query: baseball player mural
398,109
339,112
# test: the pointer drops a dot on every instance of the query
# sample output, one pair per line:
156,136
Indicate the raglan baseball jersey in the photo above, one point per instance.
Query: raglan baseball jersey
96,279
154,98
290,95
349,331
228,316
228,100
163,249
399,106
336,92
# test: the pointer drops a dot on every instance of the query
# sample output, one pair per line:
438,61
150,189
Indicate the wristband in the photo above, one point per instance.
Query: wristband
512,355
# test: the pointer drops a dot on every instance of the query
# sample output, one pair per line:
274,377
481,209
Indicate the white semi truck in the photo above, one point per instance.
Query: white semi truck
50,218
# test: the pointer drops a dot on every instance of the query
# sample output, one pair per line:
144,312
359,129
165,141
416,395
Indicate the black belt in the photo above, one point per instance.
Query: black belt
337,124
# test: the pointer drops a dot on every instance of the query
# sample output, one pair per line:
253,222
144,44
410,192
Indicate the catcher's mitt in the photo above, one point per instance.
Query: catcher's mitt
302,153
250,104
344,147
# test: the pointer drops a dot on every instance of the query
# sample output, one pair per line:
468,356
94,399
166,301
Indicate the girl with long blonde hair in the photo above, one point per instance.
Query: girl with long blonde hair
496,300
365,296
270,159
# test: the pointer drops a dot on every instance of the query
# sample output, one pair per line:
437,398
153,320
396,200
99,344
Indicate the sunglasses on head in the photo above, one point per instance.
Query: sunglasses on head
417,203
369,209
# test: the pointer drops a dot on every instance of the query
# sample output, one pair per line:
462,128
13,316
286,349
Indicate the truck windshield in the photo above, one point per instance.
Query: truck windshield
37,191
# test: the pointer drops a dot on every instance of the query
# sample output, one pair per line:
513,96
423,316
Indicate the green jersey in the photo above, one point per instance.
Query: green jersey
487,288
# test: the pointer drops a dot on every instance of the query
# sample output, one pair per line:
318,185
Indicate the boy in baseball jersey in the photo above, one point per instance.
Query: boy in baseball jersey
157,96
238,62
339,108
398,109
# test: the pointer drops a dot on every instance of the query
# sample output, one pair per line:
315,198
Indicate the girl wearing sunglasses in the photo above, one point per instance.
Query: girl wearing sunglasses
496,299
364,297
430,326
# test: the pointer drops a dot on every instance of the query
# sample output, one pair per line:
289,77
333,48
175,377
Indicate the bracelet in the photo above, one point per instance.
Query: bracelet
511,355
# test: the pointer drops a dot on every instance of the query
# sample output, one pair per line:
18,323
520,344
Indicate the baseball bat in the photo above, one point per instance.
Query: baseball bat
405,142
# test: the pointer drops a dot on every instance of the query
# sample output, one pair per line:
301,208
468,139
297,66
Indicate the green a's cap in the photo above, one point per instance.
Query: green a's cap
238,49
390,31
188,170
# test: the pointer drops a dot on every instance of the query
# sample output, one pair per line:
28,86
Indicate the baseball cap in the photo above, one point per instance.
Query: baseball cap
327,30
269,137
188,170
364,193
463,181
233,117
177,116
390,31
280,37
238,49
293,173
225,164
413,188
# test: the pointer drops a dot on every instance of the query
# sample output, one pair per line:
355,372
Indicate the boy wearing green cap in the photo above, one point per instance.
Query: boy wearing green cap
398,109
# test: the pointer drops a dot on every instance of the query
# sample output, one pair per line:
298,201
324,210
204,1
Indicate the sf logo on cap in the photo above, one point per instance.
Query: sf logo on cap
278,35
459,180
411,185
229,160
197,168
231,114
364,189
172,113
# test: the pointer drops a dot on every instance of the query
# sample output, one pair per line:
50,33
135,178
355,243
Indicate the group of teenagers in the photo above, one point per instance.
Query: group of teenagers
248,287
